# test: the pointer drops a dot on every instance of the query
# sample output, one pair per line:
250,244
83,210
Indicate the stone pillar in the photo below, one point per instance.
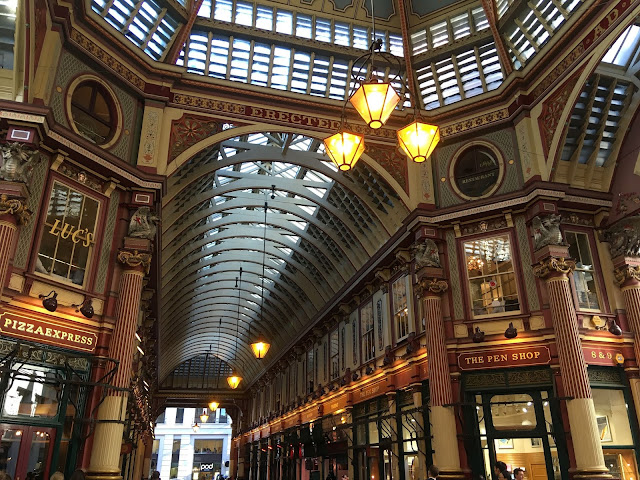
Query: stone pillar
13,212
554,268
418,404
139,461
107,438
442,417
627,275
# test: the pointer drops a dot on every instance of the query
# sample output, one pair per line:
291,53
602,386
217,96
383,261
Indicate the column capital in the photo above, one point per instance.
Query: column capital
435,286
134,258
626,275
553,266
16,206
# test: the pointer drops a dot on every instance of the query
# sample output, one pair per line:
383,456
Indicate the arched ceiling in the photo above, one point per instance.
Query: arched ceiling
321,228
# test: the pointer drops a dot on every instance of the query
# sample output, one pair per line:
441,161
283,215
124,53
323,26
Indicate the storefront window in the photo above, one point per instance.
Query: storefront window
366,327
175,459
492,281
69,235
400,309
31,393
207,458
584,274
513,412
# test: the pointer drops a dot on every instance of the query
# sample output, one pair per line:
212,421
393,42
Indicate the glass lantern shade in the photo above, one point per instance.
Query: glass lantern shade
418,140
374,102
260,348
213,405
234,380
196,428
204,417
344,148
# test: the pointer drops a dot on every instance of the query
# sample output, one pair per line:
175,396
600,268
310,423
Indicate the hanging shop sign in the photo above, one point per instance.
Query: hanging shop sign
504,358
609,357
47,331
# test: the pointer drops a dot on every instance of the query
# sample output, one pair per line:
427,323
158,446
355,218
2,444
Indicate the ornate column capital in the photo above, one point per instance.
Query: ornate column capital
627,274
551,266
434,286
134,258
15,206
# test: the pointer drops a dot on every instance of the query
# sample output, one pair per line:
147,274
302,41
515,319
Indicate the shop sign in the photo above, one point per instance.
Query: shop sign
603,356
292,421
504,358
309,415
48,332
64,230
334,405
370,391
206,467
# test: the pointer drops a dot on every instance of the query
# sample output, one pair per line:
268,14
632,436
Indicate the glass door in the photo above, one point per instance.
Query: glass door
518,429
25,452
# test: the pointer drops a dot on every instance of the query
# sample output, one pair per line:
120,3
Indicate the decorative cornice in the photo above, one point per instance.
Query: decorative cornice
15,206
434,285
625,273
135,259
552,265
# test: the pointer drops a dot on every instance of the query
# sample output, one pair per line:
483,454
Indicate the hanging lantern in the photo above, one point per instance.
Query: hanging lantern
213,405
260,348
234,380
196,428
344,149
418,140
374,102
204,417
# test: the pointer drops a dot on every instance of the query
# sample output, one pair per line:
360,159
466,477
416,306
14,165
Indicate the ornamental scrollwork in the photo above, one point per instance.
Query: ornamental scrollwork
135,259
433,285
553,265
624,237
626,272
15,206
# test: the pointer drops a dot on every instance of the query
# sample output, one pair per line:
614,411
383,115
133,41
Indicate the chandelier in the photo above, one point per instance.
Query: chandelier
375,100
475,263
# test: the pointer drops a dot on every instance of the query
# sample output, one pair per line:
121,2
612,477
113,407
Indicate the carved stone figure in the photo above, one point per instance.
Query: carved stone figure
546,231
426,254
624,237
143,224
18,162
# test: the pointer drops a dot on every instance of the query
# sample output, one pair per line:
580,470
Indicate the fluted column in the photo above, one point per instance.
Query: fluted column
580,409
107,438
443,422
13,212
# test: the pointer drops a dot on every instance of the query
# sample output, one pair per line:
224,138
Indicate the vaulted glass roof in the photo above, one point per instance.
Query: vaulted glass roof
322,226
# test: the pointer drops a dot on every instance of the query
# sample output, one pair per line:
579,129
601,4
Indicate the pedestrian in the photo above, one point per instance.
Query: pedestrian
57,476
518,474
155,475
499,467
433,472
5,476
504,475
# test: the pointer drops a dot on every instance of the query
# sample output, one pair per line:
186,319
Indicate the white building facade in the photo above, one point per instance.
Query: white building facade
181,453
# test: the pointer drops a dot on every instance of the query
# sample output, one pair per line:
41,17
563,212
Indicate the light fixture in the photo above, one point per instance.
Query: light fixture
614,328
196,428
375,100
213,405
511,331
474,263
478,336
50,302
203,416
86,307
234,379
260,347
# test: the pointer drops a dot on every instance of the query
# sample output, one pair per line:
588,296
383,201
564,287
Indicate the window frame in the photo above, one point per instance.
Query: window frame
392,309
522,309
367,335
597,271
334,375
92,262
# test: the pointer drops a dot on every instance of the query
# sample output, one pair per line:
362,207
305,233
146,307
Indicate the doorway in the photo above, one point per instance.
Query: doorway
25,451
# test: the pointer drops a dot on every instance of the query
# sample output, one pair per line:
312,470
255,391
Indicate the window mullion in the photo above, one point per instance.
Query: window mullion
153,29
347,90
312,61
132,16
207,61
540,18
107,7
437,84
270,70
330,68
291,67
515,51
560,8
456,70
483,80
228,73
529,37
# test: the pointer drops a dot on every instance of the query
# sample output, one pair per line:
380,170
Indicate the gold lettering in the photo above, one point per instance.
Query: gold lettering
295,118
7,322
30,328
75,238
257,112
283,116
270,114
53,231
612,16
66,227
39,331
598,31
47,332
88,239
21,326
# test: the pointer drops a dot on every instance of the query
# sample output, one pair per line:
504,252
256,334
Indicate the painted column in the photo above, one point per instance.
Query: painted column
107,438
442,417
627,276
13,212
419,417
582,415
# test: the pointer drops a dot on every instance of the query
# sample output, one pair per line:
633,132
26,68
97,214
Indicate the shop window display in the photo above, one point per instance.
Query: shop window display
584,276
68,237
31,393
492,281
612,417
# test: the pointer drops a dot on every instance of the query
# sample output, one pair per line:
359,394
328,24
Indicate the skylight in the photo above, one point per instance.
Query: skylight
622,51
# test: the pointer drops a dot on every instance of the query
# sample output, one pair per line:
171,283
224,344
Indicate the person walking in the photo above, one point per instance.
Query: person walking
433,472
518,474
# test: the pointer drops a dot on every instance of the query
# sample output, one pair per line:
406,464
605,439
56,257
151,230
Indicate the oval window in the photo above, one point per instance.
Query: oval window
92,112
476,171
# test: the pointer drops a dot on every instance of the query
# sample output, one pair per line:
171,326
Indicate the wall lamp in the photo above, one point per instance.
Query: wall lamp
86,307
50,302
478,336
614,328
511,331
